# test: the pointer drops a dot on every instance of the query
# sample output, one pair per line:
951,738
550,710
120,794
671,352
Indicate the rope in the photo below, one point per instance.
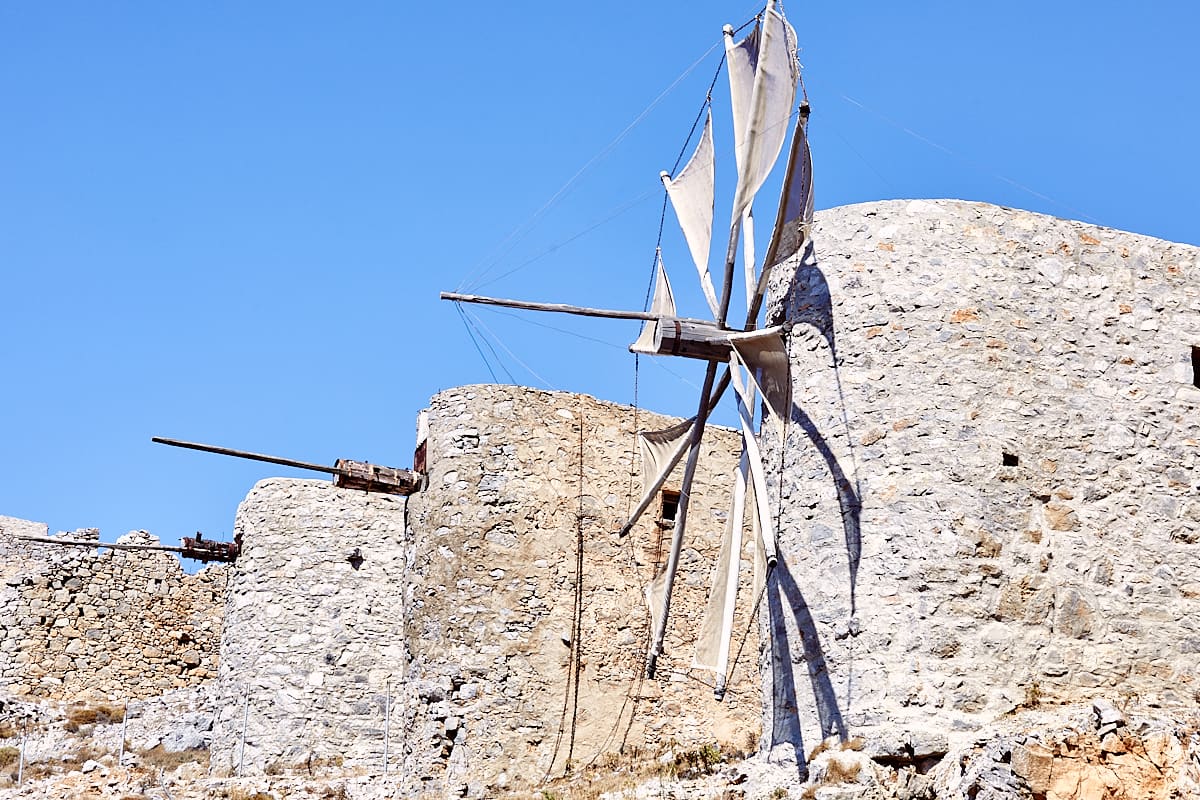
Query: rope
575,660
514,356
577,634
555,247
478,349
749,626
523,230
527,321
973,164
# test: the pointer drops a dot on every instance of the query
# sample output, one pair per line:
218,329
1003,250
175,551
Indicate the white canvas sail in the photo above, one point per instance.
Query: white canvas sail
656,595
663,304
765,353
762,79
745,402
741,60
716,627
658,448
794,220
748,256
692,192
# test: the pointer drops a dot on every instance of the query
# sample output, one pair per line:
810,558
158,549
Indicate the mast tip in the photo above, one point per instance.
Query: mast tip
727,30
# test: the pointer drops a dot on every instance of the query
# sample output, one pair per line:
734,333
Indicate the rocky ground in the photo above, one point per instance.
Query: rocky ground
1093,751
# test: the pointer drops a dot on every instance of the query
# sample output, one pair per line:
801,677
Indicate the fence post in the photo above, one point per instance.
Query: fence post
387,720
242,746
124,722
21,760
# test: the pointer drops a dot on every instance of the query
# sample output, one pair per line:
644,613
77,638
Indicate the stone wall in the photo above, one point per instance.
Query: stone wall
314,632
524,487
989,491
460,607
80,623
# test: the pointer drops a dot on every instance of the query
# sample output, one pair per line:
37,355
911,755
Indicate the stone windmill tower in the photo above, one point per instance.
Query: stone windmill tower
987,483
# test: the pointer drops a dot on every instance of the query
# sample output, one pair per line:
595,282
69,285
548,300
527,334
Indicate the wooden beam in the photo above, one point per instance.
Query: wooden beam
555,308
705,341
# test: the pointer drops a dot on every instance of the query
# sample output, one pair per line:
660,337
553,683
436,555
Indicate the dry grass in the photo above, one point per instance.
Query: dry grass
616,772
828,744
245,794
8,755
838,769
97,714
158,758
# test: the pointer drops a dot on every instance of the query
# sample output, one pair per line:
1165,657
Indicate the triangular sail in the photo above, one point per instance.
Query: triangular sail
692,192
658,448
760,122
663,304
765,353
656,595
741,59
758,478
748,256
716,627
794,220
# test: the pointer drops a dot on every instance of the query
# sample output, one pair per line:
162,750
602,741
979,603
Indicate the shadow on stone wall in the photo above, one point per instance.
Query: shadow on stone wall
784,597
807,302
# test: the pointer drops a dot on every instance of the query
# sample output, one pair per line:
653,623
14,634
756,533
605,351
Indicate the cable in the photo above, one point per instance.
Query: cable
514,356
973,164
478,349
522,230
554,247
523,319
577,635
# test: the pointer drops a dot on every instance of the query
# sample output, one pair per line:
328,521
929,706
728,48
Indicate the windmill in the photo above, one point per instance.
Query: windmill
763,76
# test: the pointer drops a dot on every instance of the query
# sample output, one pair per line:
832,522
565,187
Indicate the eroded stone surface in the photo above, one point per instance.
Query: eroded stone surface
989,487
79,623
518,479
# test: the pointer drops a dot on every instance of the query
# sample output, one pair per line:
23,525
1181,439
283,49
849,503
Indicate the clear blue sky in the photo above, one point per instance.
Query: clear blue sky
229,221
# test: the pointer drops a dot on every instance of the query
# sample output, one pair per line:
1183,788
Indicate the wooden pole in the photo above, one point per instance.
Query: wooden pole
21,758
689,470
229,451
105,545
242,746
559,308
124,722
387,721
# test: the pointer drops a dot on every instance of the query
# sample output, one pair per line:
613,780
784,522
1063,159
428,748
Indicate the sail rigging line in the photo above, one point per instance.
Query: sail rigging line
978,167
869,164
511,354
577,634
476,275
565,331
574,665
474,341
750,623
523,230
550,249
475,324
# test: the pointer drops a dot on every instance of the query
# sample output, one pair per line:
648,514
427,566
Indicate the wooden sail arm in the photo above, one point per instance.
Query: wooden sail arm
561,308
196,548
346,474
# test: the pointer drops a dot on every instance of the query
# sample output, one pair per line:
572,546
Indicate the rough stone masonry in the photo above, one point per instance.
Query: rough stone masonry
988,482
438,634
78,623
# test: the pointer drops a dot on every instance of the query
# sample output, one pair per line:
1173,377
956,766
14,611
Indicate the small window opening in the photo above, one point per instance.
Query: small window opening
1009,460
1196,366
670,505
